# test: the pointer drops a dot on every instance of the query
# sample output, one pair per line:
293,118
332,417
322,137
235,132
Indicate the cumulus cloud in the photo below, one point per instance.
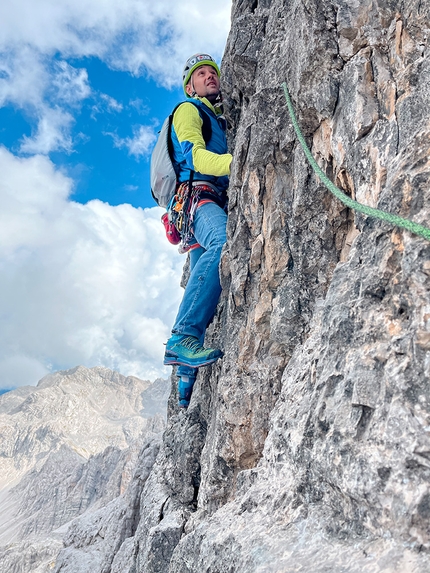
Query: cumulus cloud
24,77
139,36
81,284
48,93
86,284
131,35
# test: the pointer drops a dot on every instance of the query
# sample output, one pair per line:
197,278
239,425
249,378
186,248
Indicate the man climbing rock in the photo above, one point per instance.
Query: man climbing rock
203,166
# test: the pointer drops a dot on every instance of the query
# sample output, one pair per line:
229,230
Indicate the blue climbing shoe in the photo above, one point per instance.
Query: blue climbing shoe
185,389
187,351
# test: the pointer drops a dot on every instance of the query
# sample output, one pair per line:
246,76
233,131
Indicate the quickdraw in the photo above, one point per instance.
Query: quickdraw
182,209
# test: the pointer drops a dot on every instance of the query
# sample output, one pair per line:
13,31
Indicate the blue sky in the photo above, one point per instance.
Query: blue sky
88,276
99,160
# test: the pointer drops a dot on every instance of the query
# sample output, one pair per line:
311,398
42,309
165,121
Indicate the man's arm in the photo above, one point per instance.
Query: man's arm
188,128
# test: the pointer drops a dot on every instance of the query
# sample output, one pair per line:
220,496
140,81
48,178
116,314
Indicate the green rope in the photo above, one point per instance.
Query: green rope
370,211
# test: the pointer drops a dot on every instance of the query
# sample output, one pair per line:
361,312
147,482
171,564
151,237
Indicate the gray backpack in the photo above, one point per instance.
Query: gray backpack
163,173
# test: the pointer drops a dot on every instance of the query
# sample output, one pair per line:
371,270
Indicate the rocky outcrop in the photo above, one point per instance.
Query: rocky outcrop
70,447
307,447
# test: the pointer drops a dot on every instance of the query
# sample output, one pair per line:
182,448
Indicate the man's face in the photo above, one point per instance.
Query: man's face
205,81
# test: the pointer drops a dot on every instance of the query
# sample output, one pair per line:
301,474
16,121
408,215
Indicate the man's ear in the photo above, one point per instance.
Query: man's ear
189,89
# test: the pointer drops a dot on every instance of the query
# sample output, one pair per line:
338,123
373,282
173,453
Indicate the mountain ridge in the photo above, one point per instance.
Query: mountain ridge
306,448
69,445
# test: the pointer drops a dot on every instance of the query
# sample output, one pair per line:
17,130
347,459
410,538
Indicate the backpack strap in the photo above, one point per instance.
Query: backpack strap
206,132
206,127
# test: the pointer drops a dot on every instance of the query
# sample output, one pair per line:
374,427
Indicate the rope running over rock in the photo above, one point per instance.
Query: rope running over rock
370,211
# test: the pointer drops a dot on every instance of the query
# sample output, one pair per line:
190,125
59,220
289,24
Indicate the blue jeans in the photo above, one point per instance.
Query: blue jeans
203,288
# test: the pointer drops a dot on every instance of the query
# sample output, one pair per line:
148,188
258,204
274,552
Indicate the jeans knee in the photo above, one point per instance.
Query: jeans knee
218,241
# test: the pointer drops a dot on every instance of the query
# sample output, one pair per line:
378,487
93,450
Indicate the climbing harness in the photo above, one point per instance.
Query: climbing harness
370,211
182,209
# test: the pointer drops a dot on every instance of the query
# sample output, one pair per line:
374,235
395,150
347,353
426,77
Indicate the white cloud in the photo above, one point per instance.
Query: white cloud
47,95
111,103
86,284
70,84
139,36
133,35
24,77
105,103
19,370
81,284
140,144
52,134
129,34
139,106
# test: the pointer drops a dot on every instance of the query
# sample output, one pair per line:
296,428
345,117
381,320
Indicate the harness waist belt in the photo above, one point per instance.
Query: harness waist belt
208,184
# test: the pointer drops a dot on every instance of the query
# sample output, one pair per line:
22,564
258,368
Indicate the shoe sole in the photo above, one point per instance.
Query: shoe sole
176,361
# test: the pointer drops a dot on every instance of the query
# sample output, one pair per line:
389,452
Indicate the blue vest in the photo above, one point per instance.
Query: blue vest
217,144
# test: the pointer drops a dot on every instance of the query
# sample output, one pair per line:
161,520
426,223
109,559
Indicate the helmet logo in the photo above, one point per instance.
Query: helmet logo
198,58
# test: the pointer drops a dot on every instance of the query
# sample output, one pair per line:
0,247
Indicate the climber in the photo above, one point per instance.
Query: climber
210,163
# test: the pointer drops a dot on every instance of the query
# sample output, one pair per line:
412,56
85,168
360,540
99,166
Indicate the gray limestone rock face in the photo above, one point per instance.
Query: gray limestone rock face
82,441
312,449
307,447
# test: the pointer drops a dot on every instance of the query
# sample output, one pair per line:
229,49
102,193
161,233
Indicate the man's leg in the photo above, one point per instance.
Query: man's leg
203,288
187,376
201,293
